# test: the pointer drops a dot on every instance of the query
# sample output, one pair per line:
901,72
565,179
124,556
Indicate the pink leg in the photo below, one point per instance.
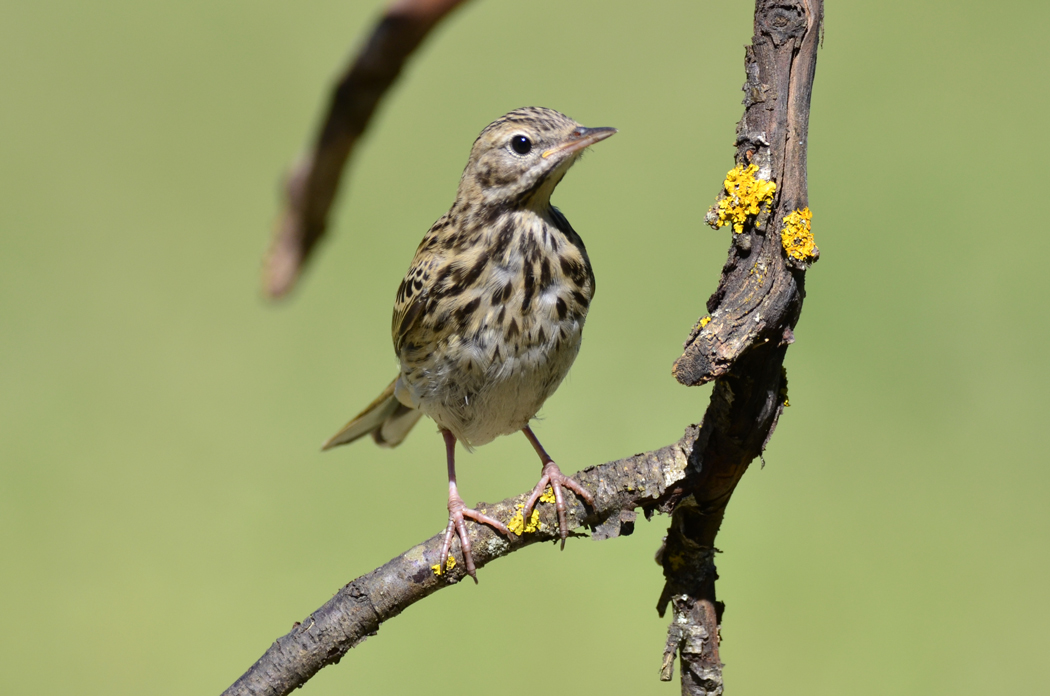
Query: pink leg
552,476
458,511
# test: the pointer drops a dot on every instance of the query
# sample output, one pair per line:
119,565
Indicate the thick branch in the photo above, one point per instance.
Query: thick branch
759,296
313,182
742,346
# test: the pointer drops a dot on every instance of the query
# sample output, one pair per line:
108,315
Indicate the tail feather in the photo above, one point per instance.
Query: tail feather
395,428
386,419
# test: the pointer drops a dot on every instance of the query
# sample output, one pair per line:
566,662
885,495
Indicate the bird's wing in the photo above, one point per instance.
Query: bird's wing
414,295
406,316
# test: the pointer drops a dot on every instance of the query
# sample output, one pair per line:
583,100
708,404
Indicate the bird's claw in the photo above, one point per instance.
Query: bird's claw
458,512
553,477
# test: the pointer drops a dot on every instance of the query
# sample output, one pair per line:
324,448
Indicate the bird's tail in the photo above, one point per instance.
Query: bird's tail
386,418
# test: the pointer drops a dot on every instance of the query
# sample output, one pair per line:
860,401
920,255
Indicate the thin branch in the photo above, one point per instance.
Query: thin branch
358,609
312,184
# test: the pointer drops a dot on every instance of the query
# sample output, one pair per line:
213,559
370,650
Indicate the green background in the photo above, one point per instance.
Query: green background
165,513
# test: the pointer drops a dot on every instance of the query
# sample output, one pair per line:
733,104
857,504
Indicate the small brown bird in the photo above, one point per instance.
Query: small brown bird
489,317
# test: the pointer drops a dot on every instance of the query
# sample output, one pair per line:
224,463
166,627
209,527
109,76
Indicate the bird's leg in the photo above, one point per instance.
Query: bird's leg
458,511
552,476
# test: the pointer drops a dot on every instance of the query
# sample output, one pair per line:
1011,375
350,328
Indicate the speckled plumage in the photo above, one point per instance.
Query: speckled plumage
490,315
486,332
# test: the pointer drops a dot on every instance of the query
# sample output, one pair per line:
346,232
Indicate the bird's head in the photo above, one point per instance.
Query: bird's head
519,158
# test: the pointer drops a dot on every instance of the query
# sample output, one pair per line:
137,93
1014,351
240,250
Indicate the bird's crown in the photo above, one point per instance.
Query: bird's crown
520,157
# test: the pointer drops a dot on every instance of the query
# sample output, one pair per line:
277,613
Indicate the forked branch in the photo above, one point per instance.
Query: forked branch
740,344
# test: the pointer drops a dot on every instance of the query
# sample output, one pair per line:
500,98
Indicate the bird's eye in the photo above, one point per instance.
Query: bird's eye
521,144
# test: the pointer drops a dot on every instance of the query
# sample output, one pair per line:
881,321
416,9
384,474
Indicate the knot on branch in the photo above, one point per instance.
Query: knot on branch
781,21
687,554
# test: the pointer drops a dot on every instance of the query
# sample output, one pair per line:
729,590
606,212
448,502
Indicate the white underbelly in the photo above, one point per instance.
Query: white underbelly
479,394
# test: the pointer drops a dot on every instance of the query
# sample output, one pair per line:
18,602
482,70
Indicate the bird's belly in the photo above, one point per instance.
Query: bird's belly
488,384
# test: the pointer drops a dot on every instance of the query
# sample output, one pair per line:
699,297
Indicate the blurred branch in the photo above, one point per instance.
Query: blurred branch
740,345
312,183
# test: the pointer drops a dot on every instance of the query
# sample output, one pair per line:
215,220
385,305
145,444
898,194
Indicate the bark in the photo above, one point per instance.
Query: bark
752,317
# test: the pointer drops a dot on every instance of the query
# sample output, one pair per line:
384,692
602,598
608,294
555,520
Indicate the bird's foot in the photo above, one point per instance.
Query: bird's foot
553,477
458,512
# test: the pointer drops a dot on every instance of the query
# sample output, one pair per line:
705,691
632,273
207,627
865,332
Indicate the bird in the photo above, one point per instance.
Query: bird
489,318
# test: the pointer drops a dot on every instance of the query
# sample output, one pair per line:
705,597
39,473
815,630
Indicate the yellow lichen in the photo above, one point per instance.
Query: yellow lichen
797,237
744,197
449,565
699,326
548,496
517,523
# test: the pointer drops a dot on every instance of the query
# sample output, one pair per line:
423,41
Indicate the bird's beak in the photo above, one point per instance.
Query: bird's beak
578,140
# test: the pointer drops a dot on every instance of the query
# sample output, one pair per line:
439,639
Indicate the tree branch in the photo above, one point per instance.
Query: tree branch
312,184
358,609
742,343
